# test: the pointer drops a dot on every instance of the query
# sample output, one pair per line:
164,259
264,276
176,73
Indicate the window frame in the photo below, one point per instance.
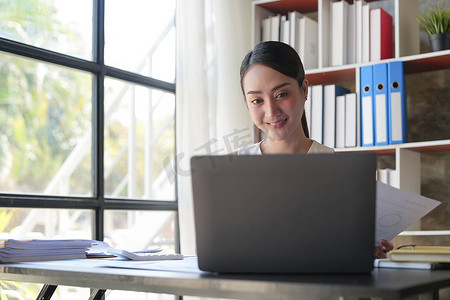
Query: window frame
98,202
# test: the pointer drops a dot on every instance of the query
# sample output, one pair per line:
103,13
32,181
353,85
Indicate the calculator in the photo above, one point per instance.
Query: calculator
145,255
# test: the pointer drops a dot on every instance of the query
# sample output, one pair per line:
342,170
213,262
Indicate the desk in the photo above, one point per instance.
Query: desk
381,283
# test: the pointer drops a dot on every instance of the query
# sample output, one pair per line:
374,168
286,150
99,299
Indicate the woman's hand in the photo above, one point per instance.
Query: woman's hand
383,248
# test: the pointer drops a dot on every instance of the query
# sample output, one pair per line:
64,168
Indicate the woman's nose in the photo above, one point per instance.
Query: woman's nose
272,108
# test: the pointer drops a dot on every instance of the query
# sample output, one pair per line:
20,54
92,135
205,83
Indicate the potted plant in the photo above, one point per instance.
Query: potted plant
436,23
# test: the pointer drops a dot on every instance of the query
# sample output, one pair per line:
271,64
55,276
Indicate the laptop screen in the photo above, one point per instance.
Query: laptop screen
297,213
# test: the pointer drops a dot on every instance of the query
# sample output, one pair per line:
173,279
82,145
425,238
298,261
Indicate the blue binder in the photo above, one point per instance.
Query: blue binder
397,112
380,110
366,101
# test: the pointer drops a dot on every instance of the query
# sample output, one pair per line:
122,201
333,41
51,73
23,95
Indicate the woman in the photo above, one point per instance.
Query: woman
275,90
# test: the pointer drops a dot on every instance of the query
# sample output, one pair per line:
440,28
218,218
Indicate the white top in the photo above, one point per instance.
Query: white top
255,149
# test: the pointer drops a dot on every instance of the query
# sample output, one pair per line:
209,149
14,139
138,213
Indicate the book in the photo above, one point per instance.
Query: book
324,9
383,176
340,121
419,265
308,109
284,30
308,42
350,120
388,176
439,254
351,34
330,92
275,27
294,20
317,113
393,179
359,31
265,29
339,18
365,32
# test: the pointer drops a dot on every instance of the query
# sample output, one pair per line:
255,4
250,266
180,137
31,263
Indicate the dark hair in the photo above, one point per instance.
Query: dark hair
280,57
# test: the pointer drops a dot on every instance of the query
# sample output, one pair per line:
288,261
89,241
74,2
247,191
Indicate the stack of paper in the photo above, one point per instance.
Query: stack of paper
39,250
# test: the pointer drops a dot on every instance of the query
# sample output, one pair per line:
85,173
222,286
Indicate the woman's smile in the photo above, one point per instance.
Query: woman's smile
277,124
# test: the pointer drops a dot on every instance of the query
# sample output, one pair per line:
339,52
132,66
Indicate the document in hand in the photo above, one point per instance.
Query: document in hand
439,254
39,250
398,209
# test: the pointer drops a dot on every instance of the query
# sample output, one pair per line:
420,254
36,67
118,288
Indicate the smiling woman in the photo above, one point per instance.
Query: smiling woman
275,90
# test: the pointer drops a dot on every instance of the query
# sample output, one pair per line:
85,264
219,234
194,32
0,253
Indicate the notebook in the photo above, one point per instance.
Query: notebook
296,213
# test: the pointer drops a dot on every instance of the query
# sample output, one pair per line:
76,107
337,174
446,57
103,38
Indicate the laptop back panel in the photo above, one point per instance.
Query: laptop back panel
301,213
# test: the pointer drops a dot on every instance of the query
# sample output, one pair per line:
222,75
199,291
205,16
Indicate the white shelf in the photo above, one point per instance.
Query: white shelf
436,54
424,62
410,58
423,147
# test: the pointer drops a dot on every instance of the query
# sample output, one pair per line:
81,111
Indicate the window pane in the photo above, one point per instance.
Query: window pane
140,230
58,25
40,223
45,128
19,290
23,290
139,142
23,223
143,41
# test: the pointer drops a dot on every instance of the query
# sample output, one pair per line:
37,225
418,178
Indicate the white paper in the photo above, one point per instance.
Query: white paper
188,265
398,209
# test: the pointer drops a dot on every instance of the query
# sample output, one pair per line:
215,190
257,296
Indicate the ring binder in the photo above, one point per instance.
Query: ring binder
397,112
366,106
380,104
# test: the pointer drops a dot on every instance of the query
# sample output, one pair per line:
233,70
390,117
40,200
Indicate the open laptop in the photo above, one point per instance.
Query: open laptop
298,213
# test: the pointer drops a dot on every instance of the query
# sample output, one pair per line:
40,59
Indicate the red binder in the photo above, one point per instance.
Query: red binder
380,34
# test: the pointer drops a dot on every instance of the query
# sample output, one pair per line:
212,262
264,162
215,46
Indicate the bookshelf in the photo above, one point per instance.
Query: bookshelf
408,158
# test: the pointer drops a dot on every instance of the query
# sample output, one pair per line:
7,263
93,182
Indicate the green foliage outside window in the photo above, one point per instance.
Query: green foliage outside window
44,109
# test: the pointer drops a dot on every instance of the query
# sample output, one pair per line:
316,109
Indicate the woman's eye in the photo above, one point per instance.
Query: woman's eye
256,101
280,95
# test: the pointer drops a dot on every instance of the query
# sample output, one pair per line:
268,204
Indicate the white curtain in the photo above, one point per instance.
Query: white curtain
212,38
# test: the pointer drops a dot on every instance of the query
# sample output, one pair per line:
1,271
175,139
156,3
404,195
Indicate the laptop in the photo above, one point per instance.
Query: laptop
296,213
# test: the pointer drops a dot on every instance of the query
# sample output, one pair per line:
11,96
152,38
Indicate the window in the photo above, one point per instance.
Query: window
87,122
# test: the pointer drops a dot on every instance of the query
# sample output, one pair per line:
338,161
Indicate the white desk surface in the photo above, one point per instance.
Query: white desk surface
184,278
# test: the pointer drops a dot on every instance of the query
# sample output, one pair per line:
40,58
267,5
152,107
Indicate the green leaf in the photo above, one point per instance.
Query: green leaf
437,20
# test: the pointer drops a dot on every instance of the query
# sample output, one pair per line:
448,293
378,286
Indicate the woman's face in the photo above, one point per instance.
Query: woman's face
275,101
